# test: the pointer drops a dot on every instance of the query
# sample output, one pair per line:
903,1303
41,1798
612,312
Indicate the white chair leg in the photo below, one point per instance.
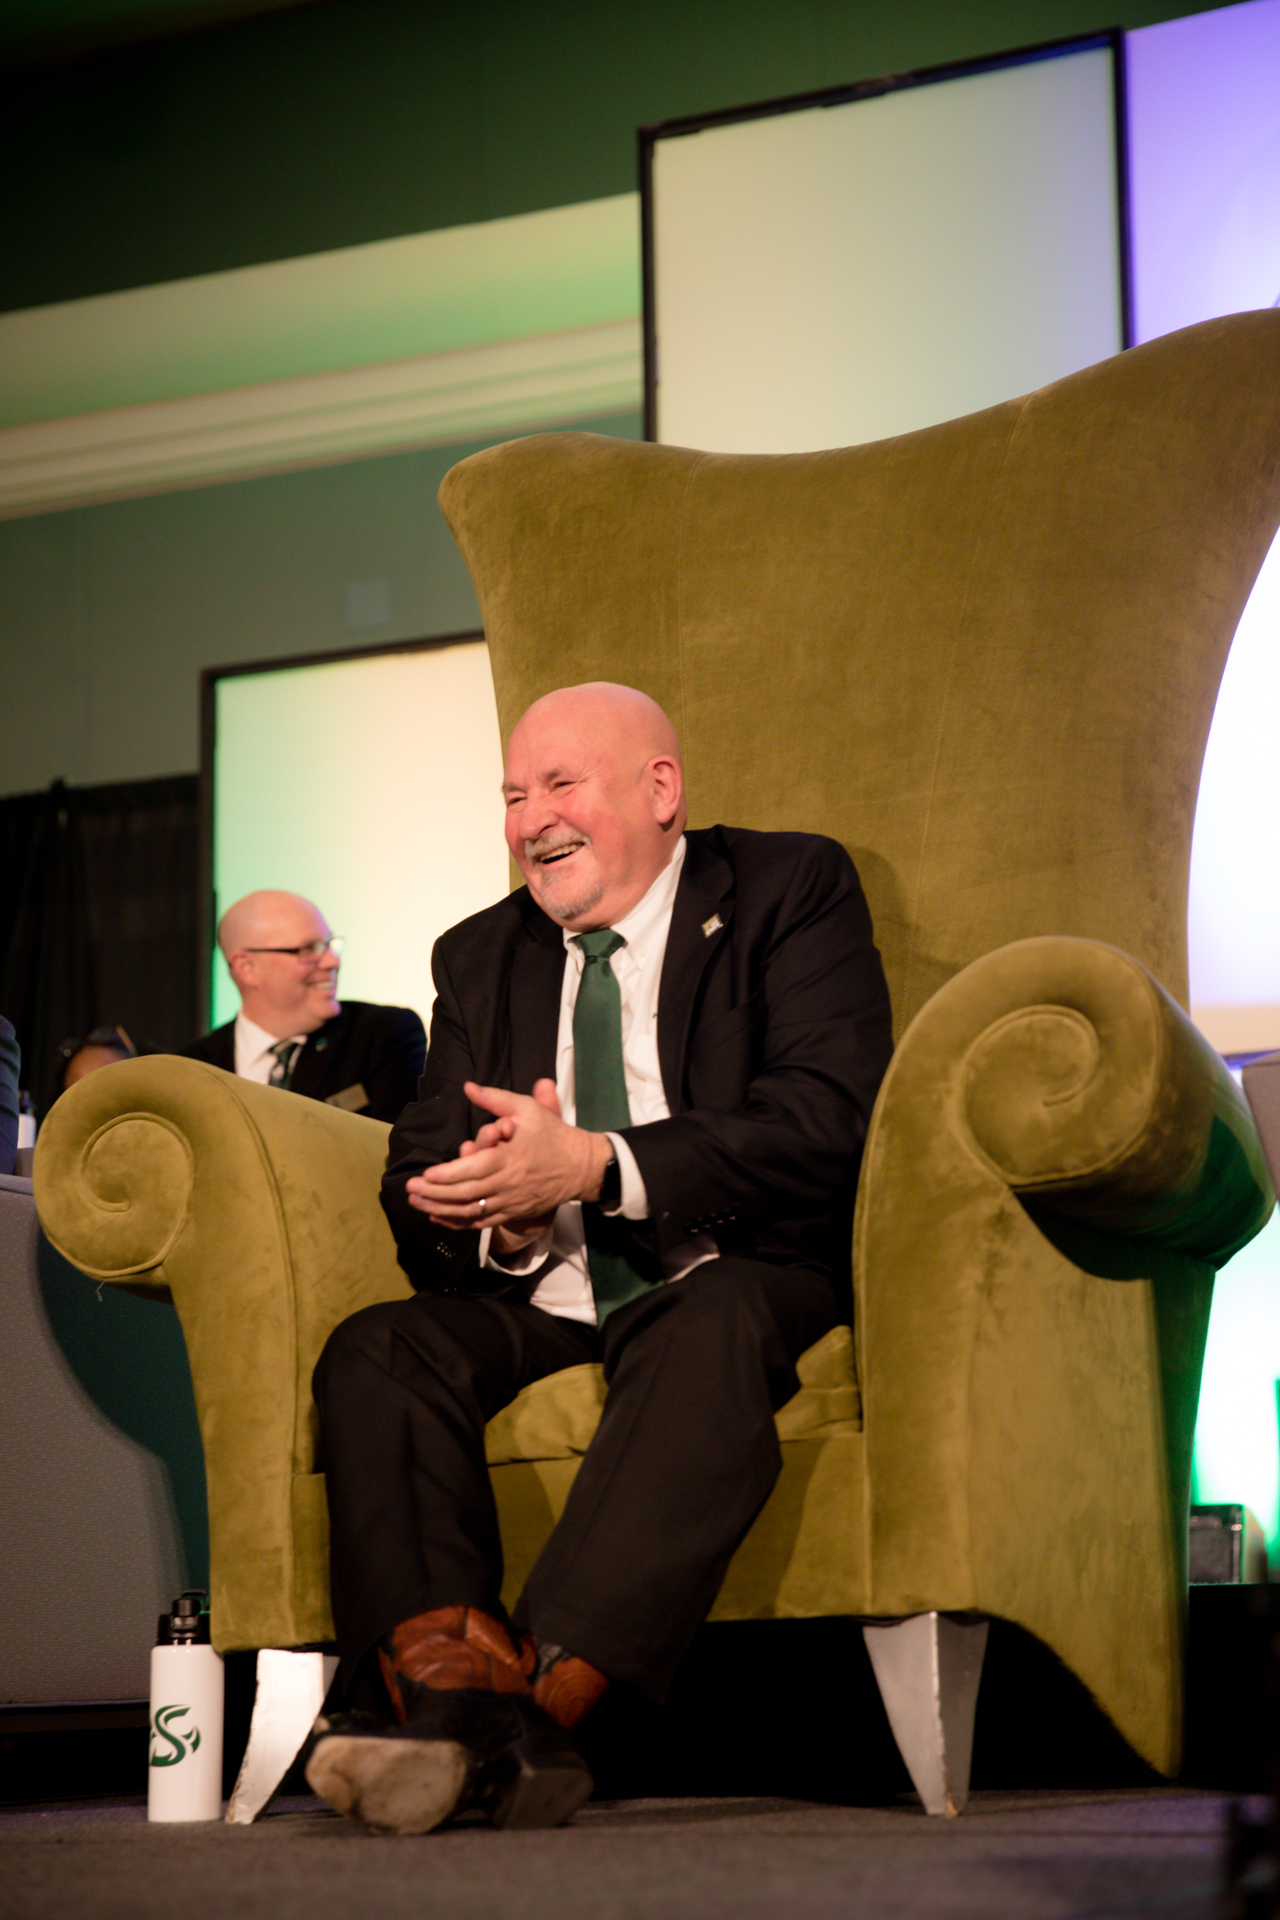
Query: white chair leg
290,1691
927,1668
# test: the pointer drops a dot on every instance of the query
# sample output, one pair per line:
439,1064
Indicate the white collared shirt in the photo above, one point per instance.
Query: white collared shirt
565,1288
254,1056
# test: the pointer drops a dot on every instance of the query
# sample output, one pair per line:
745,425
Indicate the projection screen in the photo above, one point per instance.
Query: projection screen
370,783
840,267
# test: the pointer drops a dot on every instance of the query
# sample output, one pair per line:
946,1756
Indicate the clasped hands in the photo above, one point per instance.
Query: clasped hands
523,1164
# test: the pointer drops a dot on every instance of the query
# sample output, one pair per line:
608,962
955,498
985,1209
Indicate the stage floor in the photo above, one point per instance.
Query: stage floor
1045,1855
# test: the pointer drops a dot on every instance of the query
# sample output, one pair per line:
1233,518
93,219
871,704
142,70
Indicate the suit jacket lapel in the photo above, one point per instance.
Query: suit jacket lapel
705,894
537,975
310,1066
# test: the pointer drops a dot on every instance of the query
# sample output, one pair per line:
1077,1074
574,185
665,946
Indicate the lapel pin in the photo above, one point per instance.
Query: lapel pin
713,925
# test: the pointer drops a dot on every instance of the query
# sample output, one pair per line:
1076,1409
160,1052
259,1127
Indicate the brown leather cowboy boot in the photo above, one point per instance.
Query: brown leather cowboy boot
451,1647
468,1750
471,1736
566,1687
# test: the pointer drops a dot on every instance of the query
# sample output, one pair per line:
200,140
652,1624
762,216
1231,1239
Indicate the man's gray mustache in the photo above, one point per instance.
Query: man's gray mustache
549,843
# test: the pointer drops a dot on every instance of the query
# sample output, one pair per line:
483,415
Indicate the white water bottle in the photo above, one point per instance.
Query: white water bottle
184,1774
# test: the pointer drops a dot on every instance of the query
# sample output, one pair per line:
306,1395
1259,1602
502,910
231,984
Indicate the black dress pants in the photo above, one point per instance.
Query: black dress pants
685,1456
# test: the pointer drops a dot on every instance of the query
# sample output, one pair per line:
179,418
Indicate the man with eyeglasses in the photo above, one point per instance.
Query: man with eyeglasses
292,1031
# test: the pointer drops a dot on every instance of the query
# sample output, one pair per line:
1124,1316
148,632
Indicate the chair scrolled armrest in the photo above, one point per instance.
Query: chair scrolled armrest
1055,1164
150,1173
113,1188
1087,1088
257,1211
1052,1077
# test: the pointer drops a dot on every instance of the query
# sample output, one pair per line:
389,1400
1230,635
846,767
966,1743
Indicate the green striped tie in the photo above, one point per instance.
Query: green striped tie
616,1263
282,1066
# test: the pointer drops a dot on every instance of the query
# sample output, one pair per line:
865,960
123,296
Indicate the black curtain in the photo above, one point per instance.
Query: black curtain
99,918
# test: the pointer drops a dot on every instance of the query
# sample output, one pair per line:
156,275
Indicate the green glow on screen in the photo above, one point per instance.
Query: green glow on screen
371,786
1237,1445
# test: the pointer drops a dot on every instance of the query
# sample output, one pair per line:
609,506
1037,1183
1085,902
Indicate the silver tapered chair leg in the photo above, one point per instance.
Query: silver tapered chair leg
927,1668
290,1691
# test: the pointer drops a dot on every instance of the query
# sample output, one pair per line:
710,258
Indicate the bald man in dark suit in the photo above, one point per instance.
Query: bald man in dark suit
636,1141
292,1030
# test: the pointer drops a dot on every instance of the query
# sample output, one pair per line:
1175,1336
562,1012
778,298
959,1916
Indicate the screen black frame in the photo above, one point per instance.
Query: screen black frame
1110,38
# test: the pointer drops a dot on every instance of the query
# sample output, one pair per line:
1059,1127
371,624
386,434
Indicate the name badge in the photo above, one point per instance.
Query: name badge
351,1099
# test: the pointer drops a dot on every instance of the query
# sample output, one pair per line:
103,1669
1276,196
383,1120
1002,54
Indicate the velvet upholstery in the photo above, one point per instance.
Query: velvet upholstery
985,657
256,1211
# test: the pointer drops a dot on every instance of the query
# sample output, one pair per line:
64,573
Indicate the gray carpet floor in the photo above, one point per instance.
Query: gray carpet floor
1027,1856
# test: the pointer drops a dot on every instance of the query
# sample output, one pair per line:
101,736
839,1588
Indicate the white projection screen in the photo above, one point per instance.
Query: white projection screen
370,783
839,268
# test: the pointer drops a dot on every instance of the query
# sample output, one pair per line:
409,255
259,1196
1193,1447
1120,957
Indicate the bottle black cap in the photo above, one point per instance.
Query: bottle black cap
188,1622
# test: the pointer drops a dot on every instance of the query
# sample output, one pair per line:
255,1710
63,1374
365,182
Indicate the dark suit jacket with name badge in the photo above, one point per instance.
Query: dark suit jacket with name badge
366,1059
773,1036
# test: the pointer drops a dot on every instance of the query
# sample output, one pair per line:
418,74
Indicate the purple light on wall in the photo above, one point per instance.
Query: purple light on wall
1204,130
1204,147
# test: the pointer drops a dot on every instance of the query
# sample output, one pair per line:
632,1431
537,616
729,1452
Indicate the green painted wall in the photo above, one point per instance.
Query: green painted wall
327,126
356,120
109,613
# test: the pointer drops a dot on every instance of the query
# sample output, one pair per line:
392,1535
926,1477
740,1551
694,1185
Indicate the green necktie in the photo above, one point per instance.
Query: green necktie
617,1265
282,1067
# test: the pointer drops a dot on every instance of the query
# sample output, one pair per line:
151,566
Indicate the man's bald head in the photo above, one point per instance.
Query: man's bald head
595,800
606,710
260,917
282,990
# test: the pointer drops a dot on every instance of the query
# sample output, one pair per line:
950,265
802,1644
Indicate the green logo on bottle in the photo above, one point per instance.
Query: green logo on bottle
182,1740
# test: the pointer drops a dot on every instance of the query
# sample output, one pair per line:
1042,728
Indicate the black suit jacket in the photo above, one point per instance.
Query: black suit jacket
365,1047
773,1036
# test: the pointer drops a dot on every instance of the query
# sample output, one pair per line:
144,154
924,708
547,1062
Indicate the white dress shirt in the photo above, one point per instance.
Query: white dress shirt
565,1287
254,1056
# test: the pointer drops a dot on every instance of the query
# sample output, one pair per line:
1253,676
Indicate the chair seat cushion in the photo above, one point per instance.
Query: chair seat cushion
554,1418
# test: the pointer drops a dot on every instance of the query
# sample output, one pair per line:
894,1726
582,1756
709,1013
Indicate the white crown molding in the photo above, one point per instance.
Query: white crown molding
423,293
511,387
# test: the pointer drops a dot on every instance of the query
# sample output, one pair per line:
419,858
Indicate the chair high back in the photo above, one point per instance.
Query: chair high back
984,656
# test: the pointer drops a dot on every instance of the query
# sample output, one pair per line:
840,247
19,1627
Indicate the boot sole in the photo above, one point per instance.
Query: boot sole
389,1786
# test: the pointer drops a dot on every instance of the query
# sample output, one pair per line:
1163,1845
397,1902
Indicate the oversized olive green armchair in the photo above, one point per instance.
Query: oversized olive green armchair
985,657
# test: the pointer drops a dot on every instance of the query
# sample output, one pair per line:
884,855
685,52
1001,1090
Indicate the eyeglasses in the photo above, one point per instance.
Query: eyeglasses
114,1037
312,950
